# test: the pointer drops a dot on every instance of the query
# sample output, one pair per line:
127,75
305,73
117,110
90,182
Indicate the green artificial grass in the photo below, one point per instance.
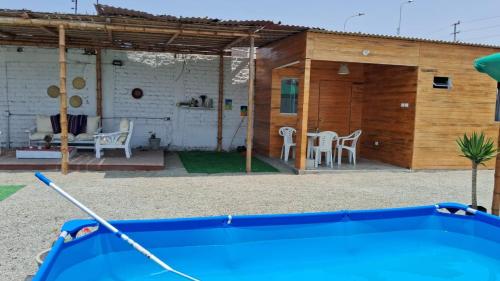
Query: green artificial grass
8,190
208,162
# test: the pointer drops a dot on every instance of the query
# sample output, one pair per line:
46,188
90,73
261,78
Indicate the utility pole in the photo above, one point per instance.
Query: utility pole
455,31
76,6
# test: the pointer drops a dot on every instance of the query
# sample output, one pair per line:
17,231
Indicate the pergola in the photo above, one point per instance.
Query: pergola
123,29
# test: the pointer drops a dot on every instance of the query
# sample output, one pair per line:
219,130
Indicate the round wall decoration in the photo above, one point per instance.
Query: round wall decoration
75,101
53,91
78,83
137,93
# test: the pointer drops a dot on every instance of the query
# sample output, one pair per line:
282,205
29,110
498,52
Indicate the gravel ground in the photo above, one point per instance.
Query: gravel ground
30,219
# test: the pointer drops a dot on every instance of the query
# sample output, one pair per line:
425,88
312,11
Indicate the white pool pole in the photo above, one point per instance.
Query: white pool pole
113,229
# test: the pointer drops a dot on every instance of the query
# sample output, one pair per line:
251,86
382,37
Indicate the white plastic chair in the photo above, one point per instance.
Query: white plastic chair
287,134
343,143
120,139
325,141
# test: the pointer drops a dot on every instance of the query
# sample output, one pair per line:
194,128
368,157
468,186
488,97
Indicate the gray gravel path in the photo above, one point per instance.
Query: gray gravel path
30,219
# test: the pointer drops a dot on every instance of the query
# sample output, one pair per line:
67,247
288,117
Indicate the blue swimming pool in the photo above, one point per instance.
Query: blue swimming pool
418,243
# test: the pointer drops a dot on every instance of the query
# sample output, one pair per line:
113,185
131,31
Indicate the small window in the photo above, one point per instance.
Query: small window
289,95
441,82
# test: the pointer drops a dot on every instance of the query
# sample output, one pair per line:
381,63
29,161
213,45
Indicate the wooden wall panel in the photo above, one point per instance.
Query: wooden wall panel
384,120
321,72
327,71
269,57
422,136
349,48
335,106
444,115
279,119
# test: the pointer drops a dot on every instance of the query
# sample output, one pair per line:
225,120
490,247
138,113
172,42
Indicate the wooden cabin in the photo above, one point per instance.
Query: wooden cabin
412,98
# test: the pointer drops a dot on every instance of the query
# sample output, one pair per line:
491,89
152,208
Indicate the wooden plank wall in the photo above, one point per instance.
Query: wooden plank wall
439,116
344,48
384,120
326,73
444,115
279,119
272,56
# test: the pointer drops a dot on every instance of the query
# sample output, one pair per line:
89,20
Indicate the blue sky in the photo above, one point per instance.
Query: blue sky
423,18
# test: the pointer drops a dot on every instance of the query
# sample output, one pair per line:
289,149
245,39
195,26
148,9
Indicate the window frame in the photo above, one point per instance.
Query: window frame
442,86
297,96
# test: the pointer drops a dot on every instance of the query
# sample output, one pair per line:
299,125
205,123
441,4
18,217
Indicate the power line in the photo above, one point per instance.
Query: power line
480,28
482,37
481,19
467,21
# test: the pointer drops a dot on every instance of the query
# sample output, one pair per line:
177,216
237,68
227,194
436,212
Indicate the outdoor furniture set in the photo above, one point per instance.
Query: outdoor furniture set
84,132
319,143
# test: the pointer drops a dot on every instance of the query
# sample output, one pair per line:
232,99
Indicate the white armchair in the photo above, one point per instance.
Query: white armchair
115,140
348,143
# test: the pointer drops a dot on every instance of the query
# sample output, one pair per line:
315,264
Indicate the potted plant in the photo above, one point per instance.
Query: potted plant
478,150
154,142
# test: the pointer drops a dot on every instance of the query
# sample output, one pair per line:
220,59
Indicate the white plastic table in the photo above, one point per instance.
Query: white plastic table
311,137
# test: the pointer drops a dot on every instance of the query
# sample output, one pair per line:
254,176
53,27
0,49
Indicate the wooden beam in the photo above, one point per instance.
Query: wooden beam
171,40
495,206
234,42
110,35
7,35
98,88
63,109
102,45
68,24
302,116
49,31
287,65
251,92
220,103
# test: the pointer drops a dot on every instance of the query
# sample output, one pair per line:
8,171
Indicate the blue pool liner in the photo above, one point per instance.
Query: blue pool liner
381,216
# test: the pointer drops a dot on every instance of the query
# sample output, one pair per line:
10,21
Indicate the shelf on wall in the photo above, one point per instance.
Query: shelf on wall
195,108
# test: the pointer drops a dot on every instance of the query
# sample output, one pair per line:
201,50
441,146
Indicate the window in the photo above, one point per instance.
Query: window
289,95
441,82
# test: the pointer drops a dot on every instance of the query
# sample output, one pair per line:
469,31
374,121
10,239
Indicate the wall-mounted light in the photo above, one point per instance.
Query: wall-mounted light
365,52
117,62
343,69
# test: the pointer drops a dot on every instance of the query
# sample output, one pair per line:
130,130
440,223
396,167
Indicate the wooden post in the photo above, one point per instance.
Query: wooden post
302,116
220,102
495,206
251,85
63,100
98,85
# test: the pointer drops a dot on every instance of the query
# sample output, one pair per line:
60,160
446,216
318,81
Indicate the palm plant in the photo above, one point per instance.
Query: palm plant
478,150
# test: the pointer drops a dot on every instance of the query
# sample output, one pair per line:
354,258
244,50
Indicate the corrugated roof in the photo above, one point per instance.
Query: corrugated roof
110,11
120,28
416,39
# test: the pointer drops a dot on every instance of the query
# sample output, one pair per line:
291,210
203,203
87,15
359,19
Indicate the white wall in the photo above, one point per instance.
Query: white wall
164,78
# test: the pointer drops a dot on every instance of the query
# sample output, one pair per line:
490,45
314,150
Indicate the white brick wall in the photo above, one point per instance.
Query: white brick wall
164,78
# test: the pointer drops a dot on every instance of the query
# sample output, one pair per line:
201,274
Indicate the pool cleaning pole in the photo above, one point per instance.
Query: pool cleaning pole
113,229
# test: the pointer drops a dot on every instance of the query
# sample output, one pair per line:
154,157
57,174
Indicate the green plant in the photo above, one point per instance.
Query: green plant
478,150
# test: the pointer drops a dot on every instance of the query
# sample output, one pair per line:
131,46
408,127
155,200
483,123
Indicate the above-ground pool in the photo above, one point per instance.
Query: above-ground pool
418,243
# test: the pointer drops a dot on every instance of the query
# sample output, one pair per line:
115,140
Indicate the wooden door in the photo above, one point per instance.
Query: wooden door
334,108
